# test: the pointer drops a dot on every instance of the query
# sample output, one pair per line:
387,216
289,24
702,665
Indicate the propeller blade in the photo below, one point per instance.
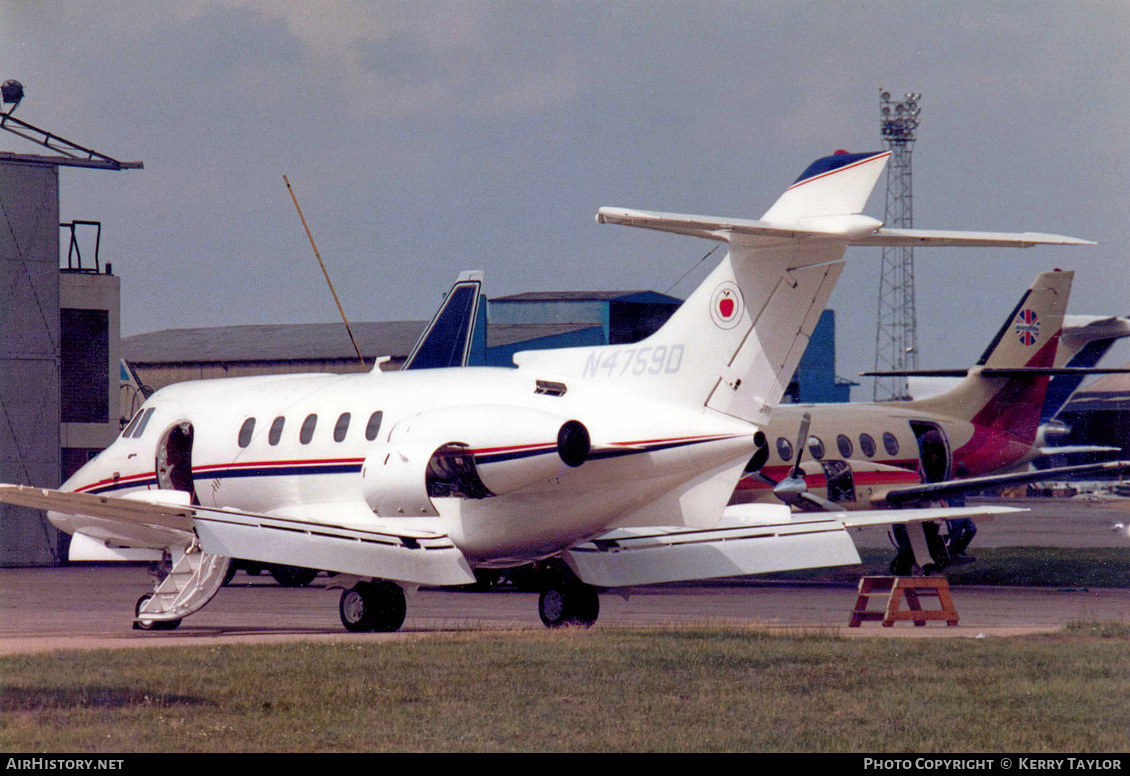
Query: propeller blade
801,444
793,490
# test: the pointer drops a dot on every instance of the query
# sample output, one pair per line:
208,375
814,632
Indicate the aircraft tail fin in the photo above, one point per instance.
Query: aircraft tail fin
456,332
1007,388
835,185
1085,340
734,343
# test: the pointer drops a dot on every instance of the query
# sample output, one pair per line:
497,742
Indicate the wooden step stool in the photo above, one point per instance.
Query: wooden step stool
898,588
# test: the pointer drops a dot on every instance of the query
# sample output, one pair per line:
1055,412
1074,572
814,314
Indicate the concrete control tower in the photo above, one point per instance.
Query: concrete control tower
59,352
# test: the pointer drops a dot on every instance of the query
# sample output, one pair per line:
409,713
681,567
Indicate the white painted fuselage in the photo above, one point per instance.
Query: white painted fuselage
315,467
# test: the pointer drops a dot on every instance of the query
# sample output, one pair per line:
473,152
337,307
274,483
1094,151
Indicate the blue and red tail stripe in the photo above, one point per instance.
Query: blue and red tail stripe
828,165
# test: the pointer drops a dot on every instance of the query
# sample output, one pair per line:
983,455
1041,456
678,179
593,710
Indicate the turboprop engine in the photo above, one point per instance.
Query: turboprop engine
821,485
851,484
468,453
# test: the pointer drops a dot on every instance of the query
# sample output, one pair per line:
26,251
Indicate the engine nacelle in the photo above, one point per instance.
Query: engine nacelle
469,453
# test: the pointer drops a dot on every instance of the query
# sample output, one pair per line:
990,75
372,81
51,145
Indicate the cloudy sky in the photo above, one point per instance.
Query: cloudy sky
424,138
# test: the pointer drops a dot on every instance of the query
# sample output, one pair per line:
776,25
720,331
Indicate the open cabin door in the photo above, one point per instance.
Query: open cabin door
174,460
933,451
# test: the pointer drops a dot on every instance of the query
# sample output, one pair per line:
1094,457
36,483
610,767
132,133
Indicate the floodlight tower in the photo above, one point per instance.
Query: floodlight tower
896,337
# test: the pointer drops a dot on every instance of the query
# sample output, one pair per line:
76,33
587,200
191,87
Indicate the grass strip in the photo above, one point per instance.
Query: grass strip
703,689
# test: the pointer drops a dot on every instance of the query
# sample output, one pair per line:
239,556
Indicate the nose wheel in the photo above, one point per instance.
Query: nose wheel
373,606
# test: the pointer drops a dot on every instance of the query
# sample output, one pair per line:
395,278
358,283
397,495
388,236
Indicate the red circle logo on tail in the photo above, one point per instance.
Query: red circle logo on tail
726,305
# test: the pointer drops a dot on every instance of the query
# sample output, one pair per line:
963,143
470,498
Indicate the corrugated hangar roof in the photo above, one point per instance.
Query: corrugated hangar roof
499,334
303,341
279,342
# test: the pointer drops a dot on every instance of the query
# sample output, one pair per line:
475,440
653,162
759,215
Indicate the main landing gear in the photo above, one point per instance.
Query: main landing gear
564,605
567,601
923,548
373,606
380,606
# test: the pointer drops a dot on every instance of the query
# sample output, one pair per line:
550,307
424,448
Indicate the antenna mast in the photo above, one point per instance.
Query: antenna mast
324,272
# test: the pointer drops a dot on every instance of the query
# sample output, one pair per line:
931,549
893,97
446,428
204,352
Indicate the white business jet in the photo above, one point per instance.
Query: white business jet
616,462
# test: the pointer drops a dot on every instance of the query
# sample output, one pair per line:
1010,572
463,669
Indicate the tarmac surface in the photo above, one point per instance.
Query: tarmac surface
90,606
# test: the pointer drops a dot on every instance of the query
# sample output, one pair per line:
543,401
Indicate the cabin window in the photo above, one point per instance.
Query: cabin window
867,445
306,433
275,434
890,443
784,449
845,446
341,428
245,432
816,447
373,427
144,422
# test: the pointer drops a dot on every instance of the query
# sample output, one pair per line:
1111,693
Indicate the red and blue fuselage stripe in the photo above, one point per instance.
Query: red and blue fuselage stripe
299,467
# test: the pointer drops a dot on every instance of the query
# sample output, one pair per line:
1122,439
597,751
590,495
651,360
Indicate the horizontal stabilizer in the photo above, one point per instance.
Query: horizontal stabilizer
856,229
846,227
941,238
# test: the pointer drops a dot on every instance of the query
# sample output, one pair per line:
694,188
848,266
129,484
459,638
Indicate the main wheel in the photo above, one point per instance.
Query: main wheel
157,625
373,606
561,605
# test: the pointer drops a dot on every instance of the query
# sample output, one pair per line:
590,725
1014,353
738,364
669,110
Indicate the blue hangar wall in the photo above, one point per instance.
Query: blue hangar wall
540,320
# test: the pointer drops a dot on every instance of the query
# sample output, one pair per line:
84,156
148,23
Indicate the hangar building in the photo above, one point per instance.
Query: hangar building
1099,414
527,321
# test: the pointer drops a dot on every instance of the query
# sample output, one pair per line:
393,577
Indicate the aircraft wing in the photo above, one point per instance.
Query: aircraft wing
750,539
1070,449
939,490
403,554
1017,371
411,553
177,517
